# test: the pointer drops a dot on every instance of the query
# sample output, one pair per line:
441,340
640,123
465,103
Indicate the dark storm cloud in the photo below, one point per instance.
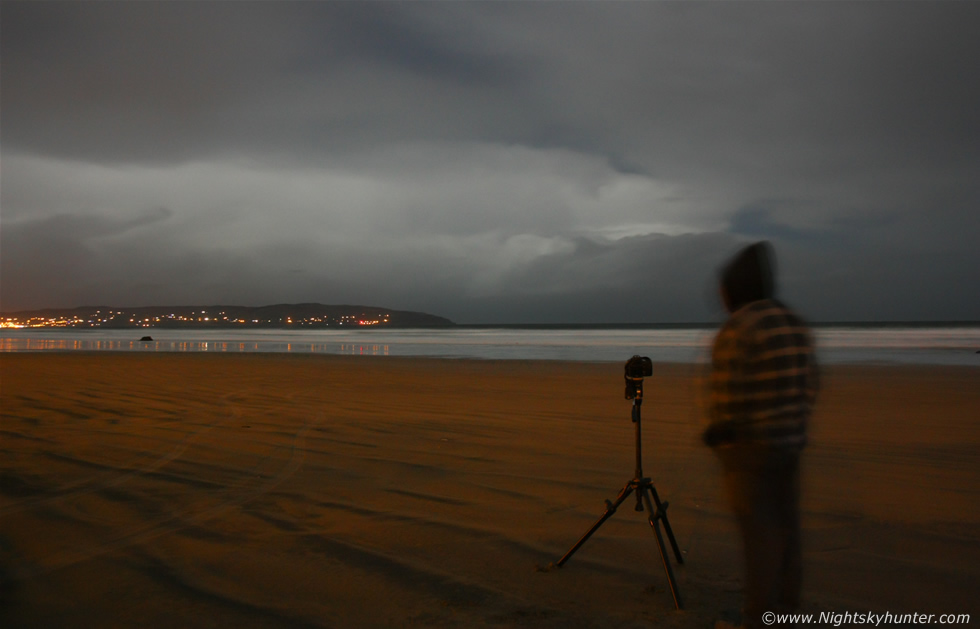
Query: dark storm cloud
70,256
165,81
737,79
491,161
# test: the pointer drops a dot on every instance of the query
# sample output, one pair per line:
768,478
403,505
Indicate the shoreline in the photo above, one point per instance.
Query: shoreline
271,490
835,346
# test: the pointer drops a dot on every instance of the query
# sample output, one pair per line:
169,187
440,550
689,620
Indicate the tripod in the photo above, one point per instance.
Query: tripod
646,494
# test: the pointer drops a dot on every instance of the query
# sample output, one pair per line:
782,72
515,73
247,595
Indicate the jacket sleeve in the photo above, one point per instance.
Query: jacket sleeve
730,385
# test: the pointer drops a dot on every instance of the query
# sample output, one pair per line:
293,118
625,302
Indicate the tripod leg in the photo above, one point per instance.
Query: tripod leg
654,516
610,509
662,510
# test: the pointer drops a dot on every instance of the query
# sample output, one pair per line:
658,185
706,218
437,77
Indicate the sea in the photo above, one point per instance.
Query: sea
913,344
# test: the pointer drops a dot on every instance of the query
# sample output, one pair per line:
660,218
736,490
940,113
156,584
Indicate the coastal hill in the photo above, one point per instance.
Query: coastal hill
309,315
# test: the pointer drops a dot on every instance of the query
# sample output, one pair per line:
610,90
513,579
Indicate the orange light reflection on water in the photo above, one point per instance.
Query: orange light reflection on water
362,350
65,345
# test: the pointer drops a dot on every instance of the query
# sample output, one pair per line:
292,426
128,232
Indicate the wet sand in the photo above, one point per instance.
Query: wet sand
247,490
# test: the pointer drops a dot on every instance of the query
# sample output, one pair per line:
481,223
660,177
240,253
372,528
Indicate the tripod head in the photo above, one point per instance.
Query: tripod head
636,368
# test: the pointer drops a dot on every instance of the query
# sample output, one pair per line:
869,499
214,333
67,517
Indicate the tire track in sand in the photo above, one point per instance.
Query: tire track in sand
178,520
126,472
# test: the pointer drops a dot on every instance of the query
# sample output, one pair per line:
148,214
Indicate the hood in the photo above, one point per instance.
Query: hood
749,276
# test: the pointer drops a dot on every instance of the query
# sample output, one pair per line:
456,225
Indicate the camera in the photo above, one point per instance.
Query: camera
637,368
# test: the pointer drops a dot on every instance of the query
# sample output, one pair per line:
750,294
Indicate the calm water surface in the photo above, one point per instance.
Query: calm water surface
946,345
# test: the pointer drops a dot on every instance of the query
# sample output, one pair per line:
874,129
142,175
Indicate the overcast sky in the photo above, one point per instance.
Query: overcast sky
491,162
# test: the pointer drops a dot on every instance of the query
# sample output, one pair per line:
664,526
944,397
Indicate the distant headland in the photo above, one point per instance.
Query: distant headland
305,316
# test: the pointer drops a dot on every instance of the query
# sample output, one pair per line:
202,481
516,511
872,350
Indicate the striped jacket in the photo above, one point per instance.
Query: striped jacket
764,378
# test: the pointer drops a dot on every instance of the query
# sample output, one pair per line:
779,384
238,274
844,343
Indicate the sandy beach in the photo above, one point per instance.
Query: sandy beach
250,490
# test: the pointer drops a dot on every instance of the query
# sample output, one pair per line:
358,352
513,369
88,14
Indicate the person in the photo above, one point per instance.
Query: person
763,385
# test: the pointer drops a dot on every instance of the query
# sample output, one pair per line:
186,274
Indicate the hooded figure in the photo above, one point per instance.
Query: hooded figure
750,276
763,385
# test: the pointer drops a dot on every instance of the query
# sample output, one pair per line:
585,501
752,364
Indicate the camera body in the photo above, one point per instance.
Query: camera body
637,368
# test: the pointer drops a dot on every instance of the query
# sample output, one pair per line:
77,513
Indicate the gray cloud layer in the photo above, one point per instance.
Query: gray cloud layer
490,162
